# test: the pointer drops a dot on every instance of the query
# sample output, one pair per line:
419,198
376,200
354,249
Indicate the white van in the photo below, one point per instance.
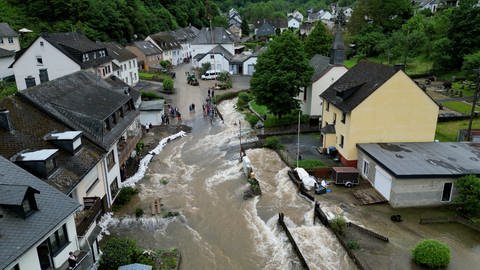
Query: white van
210,75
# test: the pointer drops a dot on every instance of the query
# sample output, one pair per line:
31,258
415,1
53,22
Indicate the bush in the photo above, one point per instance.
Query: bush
339,225
117,252
468,197
138,212
139,147
166,64
7,88
272,143
124,196
205,67
168,85
243,99
432,254
353,245
150,95
251,118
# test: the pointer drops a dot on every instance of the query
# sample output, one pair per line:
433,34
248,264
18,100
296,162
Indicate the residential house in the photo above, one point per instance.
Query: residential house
306,28
234,18
53,55
36,222
374,103
431,5
347,12
8,38
209,38
236,31
218,57
265,31
104,112
170,47
297,15
417,173
326,16
327,70
280,24
185,36
6,59
62,158
293,23
125,66
148,55
244,63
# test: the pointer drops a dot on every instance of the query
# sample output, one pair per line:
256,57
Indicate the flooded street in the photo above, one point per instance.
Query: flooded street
200,177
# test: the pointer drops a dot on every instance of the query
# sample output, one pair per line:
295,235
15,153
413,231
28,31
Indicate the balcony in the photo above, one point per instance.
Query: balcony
92,210
126,146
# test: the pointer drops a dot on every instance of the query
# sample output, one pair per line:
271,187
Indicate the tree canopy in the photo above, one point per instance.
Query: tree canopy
319,41
280,73
468,197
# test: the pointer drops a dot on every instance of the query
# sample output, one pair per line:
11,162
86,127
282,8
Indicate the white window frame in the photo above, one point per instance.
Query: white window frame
365,168
449,196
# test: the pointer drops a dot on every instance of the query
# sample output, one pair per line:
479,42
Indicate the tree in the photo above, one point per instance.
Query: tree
245,28
468,197
280,73
319,41
220,21
117,252
432,254
168,85
470,63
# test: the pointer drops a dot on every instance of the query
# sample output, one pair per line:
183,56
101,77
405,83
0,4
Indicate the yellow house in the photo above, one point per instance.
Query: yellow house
374,103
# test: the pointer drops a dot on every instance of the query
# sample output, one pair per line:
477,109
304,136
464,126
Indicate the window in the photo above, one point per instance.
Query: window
130,64
110,160
106,124
365,168
212,56
16,267
85,57
41,43
1,40
114,187
327,106
334,118
447,192
92,186
58,240
27,206
10,40
39,61
344,117
50,165
43,75
30,81
341,141
102,53
304,94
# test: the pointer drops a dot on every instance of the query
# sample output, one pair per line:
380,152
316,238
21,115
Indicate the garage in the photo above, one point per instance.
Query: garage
383,182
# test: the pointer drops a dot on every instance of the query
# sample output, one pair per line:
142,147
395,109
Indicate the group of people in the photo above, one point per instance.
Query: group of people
171,112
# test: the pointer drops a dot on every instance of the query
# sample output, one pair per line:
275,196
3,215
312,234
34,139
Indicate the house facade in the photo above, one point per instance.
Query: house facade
209,38
375,103
54,55
218,57
171,49
293,23
148,55
184,36
8,38
6,59
125,65
417,174
31,207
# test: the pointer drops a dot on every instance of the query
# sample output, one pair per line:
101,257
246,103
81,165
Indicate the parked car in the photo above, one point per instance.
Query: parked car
210,75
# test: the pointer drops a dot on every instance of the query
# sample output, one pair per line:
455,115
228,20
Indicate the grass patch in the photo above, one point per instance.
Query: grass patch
448,131
415,66
458,106
274,121
148,95
260,109
7,89
466,87
310,163
159,77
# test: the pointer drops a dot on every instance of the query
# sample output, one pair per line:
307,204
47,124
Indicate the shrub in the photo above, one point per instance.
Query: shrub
468,197
339,225
168,85
138,212
164,181
139,147
7,89
117,252
243,99
150,95
166,64
353,245
205,67
272,143
124,196
432,254
251,118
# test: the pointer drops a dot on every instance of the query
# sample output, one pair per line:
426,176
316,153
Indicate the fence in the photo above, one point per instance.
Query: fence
292,241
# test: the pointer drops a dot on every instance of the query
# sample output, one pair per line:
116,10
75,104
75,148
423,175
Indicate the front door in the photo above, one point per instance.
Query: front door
44,257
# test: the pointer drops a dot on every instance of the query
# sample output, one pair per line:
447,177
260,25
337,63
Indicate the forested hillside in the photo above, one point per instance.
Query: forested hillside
118,20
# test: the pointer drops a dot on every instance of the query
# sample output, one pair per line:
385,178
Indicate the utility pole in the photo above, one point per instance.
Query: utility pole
472,113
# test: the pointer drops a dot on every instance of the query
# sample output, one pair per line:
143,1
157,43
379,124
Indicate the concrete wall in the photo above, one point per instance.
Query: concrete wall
154,117
5,62
56,63
6,45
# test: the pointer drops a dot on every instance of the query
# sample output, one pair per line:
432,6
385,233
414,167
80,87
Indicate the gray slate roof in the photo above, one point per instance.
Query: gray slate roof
320,64
265,29
83,102
7,31
6,53
426,159
117,52
30,126
185,34
166,41
74,45
147,48
219,49
220,36
13,194
152,105
135,266
17,234
357,84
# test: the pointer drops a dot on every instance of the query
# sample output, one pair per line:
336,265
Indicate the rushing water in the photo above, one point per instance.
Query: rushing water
216,228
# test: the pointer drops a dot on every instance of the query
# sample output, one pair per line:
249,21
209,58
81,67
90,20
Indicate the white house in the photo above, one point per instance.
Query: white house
54,55
293,23
151,112
170,47
218,57
297,15
208,38
125,65
6,59
184,36
326,16
38,227
8,38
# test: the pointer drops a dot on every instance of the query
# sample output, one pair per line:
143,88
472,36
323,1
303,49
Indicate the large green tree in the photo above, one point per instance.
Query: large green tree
280,73
468,188
245,27
319,41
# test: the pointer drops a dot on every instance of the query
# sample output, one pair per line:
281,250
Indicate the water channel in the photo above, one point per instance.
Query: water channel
216,228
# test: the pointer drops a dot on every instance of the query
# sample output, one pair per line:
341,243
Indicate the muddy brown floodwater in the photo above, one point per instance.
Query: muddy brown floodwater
216,228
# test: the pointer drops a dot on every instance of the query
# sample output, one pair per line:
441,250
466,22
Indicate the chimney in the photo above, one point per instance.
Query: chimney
398,67
5,121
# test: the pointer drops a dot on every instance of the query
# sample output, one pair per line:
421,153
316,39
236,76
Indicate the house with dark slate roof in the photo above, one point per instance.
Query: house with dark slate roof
170,47
209,38
103,111
148,55
53,55
327,70
414,174
9,44
184,36
125,66
37,226
375,103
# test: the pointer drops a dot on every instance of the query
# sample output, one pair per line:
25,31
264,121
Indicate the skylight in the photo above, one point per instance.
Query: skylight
39,155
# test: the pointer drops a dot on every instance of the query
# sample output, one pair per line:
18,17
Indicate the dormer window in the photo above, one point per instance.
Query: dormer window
102,53
41,163
69,141
18,198
85,57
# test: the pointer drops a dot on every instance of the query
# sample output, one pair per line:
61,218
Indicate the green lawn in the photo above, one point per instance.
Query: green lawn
152,76
459,106
310,163
414,66
273,121
260,109
448,131
467,88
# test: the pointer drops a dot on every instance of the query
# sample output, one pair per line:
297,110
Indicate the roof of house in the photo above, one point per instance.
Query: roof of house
279,23
426,159
320,65
166,41
119,86
357,84
147,48
219,49
7,31
6,53
220,36
13,194
117,52
31,128
152,105
83,102
19,234
266,29
74,45
184,34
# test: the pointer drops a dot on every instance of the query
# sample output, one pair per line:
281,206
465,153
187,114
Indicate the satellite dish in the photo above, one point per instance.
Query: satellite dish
25,30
